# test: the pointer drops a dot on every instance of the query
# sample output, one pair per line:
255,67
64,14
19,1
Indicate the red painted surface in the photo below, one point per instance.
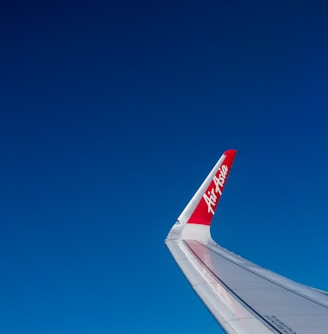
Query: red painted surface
205,209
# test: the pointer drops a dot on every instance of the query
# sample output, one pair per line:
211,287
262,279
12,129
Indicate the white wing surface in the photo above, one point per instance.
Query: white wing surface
243,297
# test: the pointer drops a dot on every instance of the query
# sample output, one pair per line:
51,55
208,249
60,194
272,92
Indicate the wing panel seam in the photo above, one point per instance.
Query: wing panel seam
233,293
266,278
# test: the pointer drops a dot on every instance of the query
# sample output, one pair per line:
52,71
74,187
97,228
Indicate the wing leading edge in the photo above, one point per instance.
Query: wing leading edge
243,297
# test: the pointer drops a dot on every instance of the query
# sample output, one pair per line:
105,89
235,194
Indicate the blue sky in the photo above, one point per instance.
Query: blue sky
112,114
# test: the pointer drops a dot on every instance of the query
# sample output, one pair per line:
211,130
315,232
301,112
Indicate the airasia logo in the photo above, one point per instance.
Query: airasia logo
212,196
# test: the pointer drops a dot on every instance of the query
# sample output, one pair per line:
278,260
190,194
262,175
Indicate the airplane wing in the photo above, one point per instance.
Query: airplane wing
243,297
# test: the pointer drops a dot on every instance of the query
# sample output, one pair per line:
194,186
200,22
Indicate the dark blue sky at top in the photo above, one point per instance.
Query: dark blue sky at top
111,115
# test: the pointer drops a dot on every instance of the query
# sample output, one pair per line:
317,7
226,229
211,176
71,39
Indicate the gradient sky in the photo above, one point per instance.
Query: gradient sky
112,114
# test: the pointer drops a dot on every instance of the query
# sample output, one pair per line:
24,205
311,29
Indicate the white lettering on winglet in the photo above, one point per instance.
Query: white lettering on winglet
211,197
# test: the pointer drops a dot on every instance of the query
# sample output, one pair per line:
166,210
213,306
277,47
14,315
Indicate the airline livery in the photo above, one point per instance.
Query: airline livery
243,297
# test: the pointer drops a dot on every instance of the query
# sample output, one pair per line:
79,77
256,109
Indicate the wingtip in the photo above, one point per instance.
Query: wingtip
230,152
195,220
209,197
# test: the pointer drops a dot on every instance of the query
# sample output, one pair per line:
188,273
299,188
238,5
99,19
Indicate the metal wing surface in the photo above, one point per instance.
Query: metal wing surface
243,297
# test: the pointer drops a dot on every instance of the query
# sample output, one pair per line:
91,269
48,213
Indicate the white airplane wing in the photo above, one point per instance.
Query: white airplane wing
243,297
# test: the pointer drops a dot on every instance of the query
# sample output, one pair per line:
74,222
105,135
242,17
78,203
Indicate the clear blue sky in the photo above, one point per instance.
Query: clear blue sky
111,115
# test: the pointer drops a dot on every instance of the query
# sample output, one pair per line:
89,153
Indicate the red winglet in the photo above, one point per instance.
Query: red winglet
204,211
